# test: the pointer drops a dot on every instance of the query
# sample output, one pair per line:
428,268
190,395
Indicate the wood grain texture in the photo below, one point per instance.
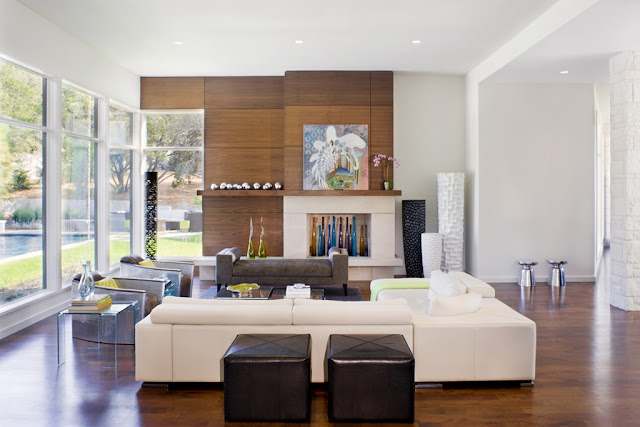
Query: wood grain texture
293,168
165,93
380,142
243,128
382,88
243,204
586,374
329,88
222,230
296,117
244,92
238,165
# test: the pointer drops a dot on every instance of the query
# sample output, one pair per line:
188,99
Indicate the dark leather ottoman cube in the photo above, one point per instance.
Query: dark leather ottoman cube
371,378
267,378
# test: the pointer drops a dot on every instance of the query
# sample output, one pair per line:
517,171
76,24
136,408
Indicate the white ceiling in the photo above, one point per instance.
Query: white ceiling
257,37
583,47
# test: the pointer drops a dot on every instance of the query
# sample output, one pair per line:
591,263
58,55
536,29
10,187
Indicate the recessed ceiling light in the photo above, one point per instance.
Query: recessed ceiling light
564,72
177,43
299,42
416,41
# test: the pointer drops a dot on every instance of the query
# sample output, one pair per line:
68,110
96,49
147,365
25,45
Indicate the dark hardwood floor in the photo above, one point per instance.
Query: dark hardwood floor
588,373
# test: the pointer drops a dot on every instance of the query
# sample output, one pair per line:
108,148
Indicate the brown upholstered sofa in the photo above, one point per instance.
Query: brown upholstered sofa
231,269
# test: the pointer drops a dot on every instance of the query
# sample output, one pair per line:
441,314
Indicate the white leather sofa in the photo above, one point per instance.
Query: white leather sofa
184,340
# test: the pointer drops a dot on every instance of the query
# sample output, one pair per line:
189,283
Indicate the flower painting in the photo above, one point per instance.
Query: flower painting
335,157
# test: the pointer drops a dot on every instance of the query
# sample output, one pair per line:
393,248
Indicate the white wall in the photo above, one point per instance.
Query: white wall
536,196
429,131
27,37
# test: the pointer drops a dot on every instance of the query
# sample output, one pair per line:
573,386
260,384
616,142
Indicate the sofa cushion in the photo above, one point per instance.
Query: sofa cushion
223,314
474,284
442,305
445,284
146,263
108,282
322,312
282,268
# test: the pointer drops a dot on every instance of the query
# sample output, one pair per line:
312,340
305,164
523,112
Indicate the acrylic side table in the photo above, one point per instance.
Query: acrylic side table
111,313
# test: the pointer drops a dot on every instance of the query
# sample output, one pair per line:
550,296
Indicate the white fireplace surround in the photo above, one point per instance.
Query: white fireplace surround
382,210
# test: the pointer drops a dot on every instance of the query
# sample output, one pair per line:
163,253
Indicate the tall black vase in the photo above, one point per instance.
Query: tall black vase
413,225
151,214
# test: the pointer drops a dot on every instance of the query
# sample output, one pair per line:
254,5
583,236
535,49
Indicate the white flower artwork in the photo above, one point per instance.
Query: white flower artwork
335,157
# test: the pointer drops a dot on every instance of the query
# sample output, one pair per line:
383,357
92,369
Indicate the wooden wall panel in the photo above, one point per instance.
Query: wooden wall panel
293,168
244,128
165,93
237,165
244,92
382,88
227,229
380,142
327,88
296,117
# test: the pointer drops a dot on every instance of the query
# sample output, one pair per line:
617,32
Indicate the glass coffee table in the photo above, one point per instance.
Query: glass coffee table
264,293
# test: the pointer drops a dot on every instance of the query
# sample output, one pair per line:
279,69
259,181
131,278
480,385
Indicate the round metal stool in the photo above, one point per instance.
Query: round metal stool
556,277
527,275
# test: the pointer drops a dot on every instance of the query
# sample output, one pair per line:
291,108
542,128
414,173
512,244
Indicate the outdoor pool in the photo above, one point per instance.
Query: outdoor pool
17,244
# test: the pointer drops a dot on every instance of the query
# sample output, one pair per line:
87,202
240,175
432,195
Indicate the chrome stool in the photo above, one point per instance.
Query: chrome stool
527,275
556,278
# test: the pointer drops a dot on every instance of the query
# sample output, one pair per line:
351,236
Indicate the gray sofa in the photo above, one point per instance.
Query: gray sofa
231,269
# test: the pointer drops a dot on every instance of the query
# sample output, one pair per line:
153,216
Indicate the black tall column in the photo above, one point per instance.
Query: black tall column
151,214
413,225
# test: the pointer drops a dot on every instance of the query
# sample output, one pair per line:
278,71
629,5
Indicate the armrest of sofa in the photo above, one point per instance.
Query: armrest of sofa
142,272
153,286
186,268
339,265
224,268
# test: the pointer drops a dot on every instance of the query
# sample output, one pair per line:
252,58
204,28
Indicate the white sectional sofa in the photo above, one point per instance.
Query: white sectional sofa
184,340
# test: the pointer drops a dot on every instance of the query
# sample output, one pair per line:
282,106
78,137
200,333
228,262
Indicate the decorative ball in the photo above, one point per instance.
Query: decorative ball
214,186
237,187
229,186
223,186
267,186
277,186
246,186
256,186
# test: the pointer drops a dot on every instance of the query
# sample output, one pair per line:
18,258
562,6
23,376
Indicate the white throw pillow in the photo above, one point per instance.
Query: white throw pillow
474,284
441,305
445,284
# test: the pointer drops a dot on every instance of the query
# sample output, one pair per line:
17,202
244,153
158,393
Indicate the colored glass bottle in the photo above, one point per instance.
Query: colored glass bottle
340,240
333,233
314,244
320,243
329,238
262,249
251,253
366,240
354,250
361,240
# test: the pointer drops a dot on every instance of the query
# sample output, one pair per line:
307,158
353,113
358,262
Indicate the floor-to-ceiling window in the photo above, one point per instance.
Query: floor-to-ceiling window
121,152
80,136
174,149
23,133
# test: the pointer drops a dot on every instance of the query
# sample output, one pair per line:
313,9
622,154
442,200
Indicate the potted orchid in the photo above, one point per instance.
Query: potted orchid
381,160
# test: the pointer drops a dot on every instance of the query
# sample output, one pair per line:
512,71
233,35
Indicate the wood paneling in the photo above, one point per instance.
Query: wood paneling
380,142
296,117
293,168
226,223
382,88
163,93
237,165
244,128
328,88
244,92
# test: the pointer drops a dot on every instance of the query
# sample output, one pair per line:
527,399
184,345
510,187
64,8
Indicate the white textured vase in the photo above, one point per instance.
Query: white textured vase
431,252
451,219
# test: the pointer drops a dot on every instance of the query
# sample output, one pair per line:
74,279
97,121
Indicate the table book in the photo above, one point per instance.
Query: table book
95,303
